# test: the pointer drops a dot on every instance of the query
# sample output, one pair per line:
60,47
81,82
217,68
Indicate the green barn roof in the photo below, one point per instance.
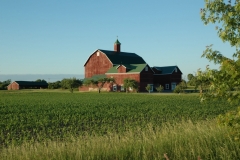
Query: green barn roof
117,42
123,57
132,68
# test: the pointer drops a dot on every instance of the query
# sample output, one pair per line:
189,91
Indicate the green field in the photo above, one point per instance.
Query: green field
36,118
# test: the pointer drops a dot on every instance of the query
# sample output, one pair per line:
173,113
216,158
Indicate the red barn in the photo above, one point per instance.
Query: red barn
17,85
120,65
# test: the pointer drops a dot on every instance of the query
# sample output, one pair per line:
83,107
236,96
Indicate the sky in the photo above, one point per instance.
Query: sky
58,36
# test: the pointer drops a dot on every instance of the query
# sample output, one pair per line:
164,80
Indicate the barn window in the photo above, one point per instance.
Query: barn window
176,69
151,89
122,88
166,86
114,88
130,88
146,68
98,53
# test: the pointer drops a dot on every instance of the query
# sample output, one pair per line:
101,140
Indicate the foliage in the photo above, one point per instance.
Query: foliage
180,87
99,83
226,14
42,116
160,88
191,80
224,83
54,85
40,80
130,83
70,83
148,88
4,84
232,120
190,77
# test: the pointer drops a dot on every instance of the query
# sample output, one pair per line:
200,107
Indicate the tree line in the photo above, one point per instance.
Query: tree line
4,84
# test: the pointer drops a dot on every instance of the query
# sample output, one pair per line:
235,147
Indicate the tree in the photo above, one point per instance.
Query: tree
180,87
190,77
223,83
130,83
99,83
54,85
148,88
159,88
4,84
40,80
70,83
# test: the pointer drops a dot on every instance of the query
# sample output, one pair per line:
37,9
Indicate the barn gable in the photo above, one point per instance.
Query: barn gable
120,57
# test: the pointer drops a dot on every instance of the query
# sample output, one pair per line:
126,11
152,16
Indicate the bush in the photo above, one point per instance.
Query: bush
177,89
160,88
232,120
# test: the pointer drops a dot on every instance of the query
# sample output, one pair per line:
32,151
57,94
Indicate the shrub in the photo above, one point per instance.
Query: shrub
160,88
232,120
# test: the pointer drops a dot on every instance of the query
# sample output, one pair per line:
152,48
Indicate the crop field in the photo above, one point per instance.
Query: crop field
41,116
63,125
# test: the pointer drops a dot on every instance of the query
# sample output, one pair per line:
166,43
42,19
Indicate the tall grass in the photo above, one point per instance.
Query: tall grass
184,140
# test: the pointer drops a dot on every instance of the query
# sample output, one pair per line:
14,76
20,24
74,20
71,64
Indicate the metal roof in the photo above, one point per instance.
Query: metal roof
31,83
167,69
123,57
132,68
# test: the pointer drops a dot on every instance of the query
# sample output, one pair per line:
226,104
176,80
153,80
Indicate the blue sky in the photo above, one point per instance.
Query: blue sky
57,37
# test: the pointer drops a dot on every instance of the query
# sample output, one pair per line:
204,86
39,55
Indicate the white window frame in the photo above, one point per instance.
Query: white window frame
151,90
122,88
98,53
167,86
114,88
175,84
176,69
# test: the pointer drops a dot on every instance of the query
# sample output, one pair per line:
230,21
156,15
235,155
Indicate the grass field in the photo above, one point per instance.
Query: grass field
111,126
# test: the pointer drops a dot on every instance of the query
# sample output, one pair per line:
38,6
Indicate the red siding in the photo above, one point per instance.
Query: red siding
122,69
120,77
97,65
117,47
13,86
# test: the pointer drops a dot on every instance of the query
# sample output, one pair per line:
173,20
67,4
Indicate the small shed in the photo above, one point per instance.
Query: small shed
17,85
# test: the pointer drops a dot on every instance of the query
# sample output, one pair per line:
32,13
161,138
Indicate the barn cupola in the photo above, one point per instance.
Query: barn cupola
117,46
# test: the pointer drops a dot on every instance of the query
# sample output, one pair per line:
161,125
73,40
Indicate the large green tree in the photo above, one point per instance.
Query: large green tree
224,82
70,83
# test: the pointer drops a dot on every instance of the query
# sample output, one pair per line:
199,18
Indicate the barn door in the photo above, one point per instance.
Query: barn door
173,86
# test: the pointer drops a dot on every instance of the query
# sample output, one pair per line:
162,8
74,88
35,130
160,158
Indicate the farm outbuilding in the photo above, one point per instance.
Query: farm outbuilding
120,65
17,85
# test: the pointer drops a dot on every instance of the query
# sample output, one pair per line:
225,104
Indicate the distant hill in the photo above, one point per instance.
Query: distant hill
33,77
